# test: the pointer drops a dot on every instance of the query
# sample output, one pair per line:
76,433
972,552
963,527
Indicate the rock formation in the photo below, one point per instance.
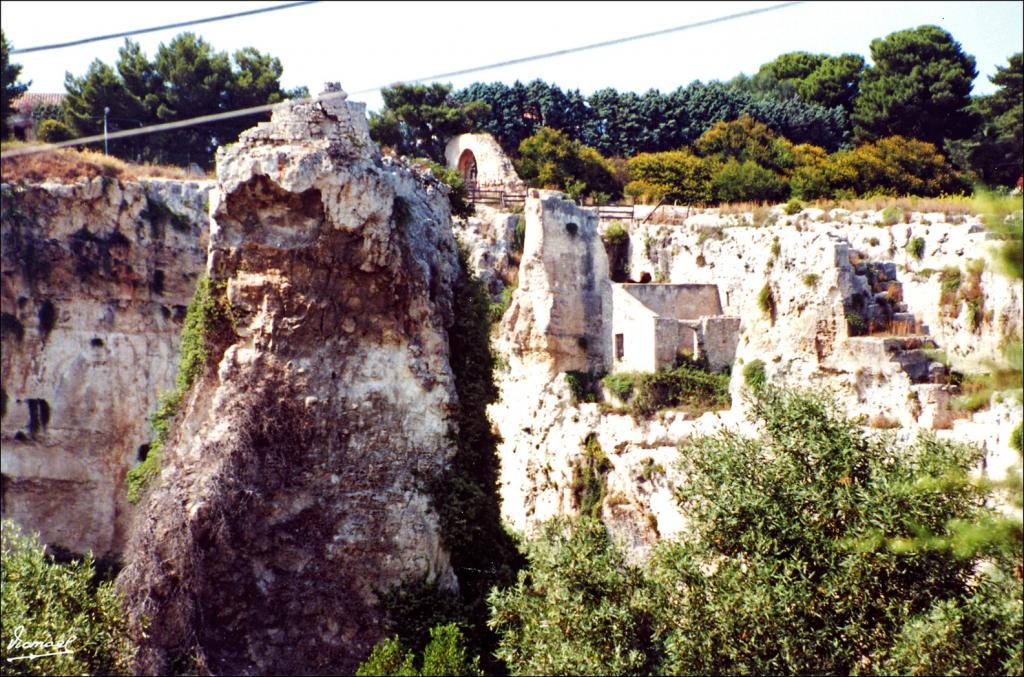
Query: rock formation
96,277
820,270
562,307
291,491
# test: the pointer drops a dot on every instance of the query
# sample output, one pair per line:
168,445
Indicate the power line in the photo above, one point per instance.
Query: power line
597,45
263,108
181,24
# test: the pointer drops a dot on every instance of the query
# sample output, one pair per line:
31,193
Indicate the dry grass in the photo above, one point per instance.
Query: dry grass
950,205
67,165
740,208
883,422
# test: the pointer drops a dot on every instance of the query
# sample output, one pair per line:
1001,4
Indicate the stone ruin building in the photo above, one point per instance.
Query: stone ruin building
482,163
652,324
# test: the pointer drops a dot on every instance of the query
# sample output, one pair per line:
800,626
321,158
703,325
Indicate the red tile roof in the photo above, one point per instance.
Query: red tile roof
26,102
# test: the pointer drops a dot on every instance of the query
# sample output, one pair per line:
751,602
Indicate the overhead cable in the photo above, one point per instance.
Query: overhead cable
181,24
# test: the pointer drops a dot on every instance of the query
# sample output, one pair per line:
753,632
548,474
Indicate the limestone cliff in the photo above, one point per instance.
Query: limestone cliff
290,492
96,277
817,273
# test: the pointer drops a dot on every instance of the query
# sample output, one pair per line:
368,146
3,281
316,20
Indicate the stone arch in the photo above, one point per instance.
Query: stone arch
467,167
482,164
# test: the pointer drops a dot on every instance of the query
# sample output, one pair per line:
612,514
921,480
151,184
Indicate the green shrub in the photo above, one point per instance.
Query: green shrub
765,300
519,234
892,215
497,310
1017,438
579,609
748,181
457,194
445,654
47,601
776,247
589,478
676,176
683,386
973,314
915,247
949,279
753,374
54,131
388,659
582,385
615,235
856,325
794,562
810,280
620,385
208,314
794,207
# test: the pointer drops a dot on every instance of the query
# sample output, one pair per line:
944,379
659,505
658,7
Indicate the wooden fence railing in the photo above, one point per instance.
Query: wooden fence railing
504,198
495,197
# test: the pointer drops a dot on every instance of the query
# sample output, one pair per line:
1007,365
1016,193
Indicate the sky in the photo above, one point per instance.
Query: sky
366,45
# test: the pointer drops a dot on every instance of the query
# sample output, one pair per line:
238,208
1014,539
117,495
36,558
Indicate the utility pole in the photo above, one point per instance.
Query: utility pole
106,110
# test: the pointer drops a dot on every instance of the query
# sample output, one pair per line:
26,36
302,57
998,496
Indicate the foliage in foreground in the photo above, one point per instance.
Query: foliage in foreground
579,608
445,654
47,601
800,559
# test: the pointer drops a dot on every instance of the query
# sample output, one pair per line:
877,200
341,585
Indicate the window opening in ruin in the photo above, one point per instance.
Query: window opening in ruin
620,349
467,167
571,228
38,415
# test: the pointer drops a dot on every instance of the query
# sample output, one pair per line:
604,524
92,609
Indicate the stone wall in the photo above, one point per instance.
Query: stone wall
562,308
672,337
678,301
720,337
635,323
96,278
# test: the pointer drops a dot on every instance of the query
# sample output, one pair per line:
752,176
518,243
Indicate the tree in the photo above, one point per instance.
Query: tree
549,158
997,147
919,87
186,79
419,119
745,139
12,88
836,82
892,166
677,176
797,557
580,608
